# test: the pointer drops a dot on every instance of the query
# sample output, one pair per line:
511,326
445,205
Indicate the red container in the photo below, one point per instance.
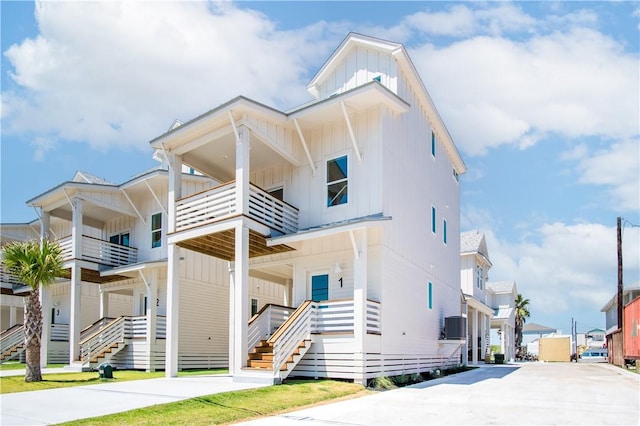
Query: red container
631,329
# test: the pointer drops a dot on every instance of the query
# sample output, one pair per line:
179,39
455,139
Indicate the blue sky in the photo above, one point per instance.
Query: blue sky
542,99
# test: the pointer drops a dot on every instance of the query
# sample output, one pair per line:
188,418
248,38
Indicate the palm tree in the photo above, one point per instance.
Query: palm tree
522,313
34,263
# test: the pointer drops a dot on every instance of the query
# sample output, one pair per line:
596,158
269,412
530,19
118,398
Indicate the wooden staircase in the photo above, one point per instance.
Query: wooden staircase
106,354
261,356
12,343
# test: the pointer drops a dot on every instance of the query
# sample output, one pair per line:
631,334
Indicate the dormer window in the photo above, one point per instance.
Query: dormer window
479,277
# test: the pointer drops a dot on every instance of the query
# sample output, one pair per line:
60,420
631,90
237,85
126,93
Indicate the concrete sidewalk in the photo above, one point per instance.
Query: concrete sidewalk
66,404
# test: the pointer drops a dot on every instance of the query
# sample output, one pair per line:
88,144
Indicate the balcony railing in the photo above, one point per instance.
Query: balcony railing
220,203
99,251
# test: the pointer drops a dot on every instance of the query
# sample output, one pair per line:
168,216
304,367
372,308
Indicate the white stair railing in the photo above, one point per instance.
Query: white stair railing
11,338
100,341
290,334
266,322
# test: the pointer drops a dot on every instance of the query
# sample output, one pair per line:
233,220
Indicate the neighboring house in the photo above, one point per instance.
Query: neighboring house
474,275
350,201
531,335
502,298
595,338
112,304
610,309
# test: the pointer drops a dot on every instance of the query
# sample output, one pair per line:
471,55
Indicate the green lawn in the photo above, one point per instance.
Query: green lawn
229,407
63,380
15,365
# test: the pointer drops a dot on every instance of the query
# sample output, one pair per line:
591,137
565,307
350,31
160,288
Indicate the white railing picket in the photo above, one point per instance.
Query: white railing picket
99,251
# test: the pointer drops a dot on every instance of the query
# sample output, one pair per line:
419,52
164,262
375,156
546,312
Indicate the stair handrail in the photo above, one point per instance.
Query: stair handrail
290,334
97,343
9,330
91,329
12,339
268,319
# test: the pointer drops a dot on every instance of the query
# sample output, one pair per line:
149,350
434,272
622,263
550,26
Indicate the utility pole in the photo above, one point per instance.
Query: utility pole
620,289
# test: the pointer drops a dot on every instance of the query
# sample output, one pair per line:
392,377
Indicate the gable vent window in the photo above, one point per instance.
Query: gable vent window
377,78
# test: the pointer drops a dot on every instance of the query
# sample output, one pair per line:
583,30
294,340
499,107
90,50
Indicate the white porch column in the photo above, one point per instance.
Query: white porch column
232,322
152,316
173,269
474,338
360,304
45,303
483,332
503,338
104,303
288,292
242,170
45,225
76,280
13,316
240,296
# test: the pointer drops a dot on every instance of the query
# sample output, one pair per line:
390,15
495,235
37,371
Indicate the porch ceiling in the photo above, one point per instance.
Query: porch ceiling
222,245
93,276
217,157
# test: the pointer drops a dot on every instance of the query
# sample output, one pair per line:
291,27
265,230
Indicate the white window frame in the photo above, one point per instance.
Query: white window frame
326,183
161,230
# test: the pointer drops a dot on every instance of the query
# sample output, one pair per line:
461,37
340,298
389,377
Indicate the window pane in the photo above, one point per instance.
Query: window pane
156,221
124,240
156,239
337,194
115,239
337,169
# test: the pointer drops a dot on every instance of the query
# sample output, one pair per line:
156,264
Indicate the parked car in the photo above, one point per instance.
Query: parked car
594,355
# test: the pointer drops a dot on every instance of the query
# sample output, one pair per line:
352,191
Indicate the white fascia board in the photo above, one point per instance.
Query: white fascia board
325,232
131,271
476,304
41,200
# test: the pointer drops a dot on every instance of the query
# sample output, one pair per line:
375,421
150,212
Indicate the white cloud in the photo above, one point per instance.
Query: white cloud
493,91
566,269
616,167
111,73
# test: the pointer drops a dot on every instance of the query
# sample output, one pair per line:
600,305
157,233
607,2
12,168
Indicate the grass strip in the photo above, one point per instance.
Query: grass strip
230,407
13,384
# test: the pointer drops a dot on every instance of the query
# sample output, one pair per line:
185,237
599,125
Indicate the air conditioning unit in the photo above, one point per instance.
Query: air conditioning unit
455,328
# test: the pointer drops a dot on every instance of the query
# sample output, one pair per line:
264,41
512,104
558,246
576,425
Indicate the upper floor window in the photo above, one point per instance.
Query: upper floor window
430,295
444,231
254,306
156,230
433,219
433,143
337,181
122,239
479,277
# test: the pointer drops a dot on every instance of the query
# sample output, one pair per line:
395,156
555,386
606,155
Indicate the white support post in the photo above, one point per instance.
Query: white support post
483,333
104,303
76,280
465,347
474,338
13,316
360,304
242,170
288,292
173,270
74,317
45,303
152,316
232,322
45,225
504,337
240,298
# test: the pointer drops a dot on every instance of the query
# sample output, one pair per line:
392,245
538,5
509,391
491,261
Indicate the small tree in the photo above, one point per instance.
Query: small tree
34,263
522,313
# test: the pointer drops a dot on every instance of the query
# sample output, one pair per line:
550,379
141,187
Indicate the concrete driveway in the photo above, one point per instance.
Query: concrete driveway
519,394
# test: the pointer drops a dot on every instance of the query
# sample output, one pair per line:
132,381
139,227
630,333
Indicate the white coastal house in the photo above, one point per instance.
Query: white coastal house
502,298
350,201
474,274
111,304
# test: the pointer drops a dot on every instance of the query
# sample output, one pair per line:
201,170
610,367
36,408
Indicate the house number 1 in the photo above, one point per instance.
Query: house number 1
340,280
